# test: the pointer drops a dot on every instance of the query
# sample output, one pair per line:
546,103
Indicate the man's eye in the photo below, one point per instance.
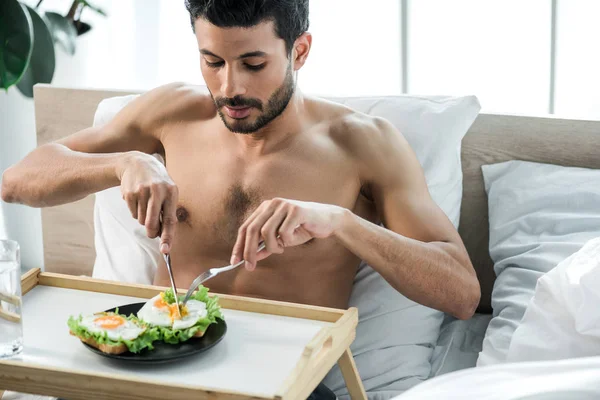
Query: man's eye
217,64
255,67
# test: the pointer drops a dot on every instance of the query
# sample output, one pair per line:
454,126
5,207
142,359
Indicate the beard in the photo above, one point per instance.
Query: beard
276,104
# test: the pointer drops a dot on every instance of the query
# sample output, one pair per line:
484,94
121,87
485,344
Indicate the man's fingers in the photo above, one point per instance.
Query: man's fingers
254,234
250,246
269,233
237,253
167,234
289,225
238,247
152,222
131,200
169,220
143,197
253,231
261,255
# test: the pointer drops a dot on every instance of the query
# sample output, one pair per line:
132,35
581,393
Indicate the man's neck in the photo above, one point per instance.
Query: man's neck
278,132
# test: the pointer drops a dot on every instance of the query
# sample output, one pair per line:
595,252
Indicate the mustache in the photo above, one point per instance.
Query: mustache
238,101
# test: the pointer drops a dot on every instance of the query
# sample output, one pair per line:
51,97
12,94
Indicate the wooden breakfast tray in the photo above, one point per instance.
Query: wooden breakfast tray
272,350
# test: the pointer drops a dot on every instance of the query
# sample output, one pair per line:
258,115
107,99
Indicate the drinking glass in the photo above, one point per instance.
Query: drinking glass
11,322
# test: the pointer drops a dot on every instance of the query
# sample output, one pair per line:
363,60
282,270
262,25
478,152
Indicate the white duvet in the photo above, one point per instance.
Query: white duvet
555,351
563,318
575,378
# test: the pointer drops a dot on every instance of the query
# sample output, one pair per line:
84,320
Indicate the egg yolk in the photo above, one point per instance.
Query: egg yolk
160,303
173,314
109,321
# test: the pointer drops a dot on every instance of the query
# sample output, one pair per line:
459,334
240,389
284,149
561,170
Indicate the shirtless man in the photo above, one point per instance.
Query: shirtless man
255,159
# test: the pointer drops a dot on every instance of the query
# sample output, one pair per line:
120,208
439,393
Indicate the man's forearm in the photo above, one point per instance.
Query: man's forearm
53,174
431,274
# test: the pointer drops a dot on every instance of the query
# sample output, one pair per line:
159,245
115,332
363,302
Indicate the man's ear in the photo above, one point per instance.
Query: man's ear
301,49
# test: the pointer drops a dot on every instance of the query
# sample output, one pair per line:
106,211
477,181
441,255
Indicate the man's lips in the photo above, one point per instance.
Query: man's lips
237,112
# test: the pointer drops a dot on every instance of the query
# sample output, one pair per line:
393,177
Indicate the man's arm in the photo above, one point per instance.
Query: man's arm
97,158
82,163
420,253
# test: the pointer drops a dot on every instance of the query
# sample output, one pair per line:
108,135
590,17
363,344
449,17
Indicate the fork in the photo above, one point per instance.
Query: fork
211,273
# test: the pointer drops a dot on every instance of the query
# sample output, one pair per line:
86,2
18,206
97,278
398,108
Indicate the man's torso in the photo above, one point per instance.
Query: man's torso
220,186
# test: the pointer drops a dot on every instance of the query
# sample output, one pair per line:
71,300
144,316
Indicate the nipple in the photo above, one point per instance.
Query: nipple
182,214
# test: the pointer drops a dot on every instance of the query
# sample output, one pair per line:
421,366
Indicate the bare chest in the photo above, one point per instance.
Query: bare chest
217,193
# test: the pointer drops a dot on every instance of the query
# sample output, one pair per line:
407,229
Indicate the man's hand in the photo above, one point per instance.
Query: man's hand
284,223
149,191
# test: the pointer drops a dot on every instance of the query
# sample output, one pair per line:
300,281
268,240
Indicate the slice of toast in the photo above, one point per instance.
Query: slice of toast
105,348
198,334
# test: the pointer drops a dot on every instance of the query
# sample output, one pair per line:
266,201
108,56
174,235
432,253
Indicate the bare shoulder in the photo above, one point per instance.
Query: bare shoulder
140,125
373,142
166,104
353,129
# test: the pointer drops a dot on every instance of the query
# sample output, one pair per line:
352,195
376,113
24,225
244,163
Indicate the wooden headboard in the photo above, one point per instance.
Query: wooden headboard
68,229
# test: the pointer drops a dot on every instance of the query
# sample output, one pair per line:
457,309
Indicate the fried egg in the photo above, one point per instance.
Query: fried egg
158,313
116,326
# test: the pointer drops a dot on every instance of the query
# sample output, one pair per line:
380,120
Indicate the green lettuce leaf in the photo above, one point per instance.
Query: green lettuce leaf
213,311
168,296
145,340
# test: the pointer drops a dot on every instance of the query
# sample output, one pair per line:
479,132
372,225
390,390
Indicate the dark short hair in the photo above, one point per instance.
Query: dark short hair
289,16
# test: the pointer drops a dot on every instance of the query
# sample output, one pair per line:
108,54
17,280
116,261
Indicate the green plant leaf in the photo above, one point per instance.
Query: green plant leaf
16,42
63,31
43,62
97,9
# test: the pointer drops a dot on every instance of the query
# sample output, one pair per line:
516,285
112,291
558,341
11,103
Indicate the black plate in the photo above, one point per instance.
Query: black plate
164,352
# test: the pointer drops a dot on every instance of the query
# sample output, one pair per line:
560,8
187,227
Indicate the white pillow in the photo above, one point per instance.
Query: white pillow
123,251
388,364
391,363
539,214
434,126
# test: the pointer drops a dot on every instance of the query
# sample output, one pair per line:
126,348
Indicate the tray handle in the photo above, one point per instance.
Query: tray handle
318,356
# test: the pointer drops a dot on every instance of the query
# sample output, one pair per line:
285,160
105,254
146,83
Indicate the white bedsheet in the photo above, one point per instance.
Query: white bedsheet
459,344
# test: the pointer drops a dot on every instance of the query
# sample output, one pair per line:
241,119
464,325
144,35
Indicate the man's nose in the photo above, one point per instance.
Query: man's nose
233,84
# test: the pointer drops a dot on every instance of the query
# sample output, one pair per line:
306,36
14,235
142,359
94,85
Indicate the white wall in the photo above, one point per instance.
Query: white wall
120,52
17,138
146,43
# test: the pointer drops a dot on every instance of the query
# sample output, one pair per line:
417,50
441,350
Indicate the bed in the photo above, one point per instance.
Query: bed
68,231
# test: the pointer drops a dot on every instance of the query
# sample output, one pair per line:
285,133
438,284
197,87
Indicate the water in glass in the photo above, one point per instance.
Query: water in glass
11,323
